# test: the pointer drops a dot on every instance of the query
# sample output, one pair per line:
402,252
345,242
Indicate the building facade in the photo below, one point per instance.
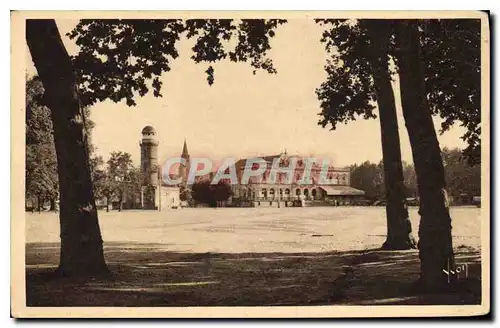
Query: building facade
326,184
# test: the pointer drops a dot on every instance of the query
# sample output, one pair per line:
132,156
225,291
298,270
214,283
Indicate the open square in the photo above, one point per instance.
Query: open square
253,256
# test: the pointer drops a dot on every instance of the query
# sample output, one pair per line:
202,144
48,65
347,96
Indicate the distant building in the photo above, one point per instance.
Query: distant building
262,189
155,194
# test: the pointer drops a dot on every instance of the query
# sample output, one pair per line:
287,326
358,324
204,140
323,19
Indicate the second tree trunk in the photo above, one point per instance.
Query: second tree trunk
399,231
435,241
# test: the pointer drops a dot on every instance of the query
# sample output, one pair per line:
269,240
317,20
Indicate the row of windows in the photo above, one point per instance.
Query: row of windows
287,191
281,177
272,191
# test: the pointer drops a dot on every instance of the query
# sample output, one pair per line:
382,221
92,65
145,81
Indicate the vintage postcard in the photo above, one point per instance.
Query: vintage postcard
250,164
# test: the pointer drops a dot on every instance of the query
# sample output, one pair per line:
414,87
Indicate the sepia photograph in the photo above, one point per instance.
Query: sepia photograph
250,164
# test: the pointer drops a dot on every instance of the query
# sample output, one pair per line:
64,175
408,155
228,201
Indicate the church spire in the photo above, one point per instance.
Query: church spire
185,153
184,167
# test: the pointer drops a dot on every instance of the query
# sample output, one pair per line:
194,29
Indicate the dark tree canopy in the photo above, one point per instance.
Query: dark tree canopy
205,192
41,162
451,55
348,91
368,177
120,59
185,194
462,180
453,79
38,122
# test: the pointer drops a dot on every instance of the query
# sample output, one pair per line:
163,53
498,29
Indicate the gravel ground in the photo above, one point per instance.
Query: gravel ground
236,230
247,257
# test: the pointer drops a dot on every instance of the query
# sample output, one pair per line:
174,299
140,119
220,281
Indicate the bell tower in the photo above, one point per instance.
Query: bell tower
149,167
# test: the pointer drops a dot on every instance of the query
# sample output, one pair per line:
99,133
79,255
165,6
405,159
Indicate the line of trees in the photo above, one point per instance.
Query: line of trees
437,62
41,174
463,179
118,181
113,180
438,66
41,163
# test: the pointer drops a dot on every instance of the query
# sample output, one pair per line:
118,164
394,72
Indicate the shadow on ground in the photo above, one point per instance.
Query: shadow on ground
150,275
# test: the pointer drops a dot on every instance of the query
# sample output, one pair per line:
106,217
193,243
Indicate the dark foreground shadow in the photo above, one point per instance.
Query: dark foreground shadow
149,275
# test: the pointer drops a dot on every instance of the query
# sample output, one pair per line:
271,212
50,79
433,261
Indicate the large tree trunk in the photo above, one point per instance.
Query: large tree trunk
81,242
435,241
399,232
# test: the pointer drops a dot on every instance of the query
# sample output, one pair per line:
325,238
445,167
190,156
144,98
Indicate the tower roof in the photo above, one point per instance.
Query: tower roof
185,153
148,130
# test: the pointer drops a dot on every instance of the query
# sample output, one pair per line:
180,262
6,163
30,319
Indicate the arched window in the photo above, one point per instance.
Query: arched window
306,193
297,192
287,191
313,193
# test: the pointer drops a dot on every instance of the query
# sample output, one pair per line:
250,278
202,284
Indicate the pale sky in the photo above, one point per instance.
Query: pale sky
242,114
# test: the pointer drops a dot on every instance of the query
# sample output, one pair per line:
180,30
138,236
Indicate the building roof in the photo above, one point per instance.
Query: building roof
270,158
342,191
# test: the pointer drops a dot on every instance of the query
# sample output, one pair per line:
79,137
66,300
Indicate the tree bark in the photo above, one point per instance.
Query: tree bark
435,240
399,231
81,241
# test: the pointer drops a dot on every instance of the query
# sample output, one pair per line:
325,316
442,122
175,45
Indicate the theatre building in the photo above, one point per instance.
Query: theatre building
327,184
